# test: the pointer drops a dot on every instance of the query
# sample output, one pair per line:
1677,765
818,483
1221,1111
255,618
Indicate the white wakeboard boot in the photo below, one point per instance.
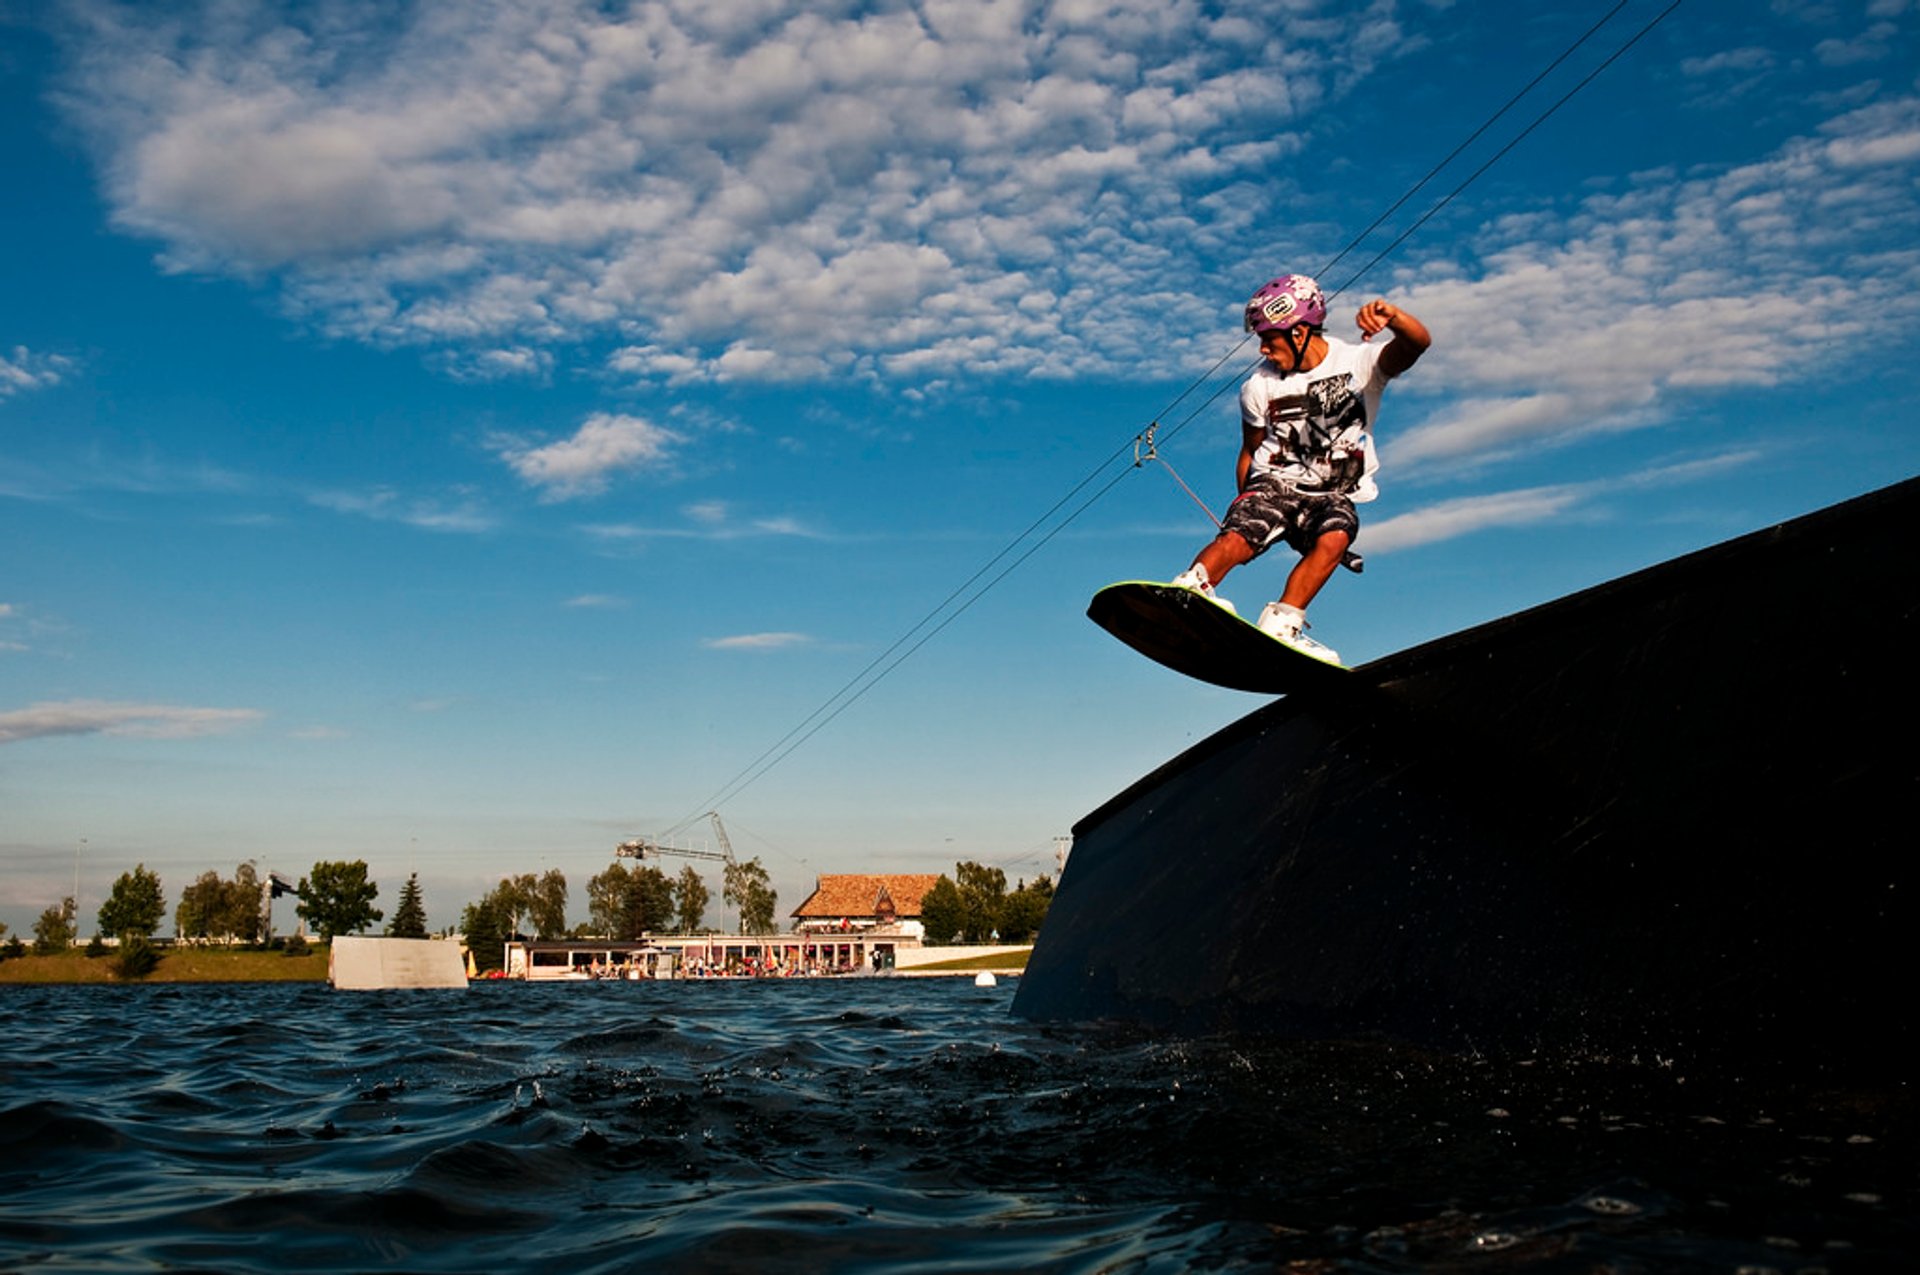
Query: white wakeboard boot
1288,625
1195,578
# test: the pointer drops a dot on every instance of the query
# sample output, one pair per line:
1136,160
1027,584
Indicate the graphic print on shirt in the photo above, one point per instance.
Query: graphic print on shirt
1322,433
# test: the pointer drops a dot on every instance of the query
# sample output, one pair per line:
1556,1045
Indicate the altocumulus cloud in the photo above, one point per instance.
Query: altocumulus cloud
606,443
1595,320
778,189
101,717
915,191
21,370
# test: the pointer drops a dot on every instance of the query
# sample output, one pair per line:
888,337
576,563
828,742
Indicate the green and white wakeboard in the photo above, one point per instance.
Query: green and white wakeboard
1189,634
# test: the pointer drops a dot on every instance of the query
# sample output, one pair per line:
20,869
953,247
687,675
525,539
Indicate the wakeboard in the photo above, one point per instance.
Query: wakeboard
1189,634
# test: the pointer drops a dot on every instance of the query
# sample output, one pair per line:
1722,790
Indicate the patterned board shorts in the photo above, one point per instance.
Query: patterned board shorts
1270,510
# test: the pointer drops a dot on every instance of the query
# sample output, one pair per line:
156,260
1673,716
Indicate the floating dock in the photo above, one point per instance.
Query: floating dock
1668,815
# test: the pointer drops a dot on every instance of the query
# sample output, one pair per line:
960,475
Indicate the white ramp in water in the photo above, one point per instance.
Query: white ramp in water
358,964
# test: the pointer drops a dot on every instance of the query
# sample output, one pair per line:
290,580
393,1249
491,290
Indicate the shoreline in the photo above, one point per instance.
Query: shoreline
223,965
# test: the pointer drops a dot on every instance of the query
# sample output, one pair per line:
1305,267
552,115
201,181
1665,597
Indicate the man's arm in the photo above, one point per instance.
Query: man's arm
1410,336
1250,436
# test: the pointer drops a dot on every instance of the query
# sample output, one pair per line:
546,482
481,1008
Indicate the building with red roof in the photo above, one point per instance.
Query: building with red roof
864,901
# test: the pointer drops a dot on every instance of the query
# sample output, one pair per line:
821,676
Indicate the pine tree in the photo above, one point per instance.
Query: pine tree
410,914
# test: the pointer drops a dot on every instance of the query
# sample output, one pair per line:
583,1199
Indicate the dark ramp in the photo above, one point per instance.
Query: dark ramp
1670,814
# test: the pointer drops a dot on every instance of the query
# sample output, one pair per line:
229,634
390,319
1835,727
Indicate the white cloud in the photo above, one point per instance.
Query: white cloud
517,362
606,443
102,717
1742,60
1604,318
1452,519
1878,41
756,641
783,190
923,190
22,370
711,521
458,514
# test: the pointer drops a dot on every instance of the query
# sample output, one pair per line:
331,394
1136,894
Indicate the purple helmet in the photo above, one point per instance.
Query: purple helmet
1286,302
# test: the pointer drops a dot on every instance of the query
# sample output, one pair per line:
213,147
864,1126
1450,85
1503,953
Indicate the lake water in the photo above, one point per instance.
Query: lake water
884,1125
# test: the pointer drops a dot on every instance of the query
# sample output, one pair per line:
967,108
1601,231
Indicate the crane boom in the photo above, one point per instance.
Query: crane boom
647,848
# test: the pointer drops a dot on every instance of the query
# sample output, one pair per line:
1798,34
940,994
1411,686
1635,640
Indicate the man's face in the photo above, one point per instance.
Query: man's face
1283,346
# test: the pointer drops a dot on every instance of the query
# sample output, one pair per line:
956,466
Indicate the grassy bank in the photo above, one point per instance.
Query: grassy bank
180,965
996,961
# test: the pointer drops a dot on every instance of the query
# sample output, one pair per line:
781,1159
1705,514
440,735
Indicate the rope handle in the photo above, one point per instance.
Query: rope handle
1144,451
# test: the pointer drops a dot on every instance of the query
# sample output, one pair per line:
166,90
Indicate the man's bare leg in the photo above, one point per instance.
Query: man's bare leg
1228,550
1313,570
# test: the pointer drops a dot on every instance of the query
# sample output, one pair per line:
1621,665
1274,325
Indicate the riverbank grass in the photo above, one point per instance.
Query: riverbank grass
177,965
999,962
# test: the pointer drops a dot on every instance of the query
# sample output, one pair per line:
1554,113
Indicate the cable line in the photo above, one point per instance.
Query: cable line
904,647
1471,138
733,787
1498,155
848,696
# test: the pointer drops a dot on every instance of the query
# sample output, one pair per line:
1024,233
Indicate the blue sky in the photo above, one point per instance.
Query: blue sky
465,436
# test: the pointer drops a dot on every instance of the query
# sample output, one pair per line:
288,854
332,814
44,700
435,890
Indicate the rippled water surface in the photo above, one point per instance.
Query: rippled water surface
884,1124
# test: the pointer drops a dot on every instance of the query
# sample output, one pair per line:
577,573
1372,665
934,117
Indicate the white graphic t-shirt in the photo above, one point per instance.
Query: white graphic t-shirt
1316,426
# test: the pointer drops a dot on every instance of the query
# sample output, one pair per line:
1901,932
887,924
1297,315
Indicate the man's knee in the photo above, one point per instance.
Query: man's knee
1234,548
1332,543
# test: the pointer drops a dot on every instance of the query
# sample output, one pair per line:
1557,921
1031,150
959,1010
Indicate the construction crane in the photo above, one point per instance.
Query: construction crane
643,848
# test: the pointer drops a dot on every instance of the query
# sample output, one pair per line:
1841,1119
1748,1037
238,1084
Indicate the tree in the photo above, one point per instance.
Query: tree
982,892
53,932
1023,910
135,906
941,912
648,904
410,914
626,903
690,899
514,898
138,957
747,887
547,901
338,899
214,909
605,894
536,905
197,915
487,925
243,914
